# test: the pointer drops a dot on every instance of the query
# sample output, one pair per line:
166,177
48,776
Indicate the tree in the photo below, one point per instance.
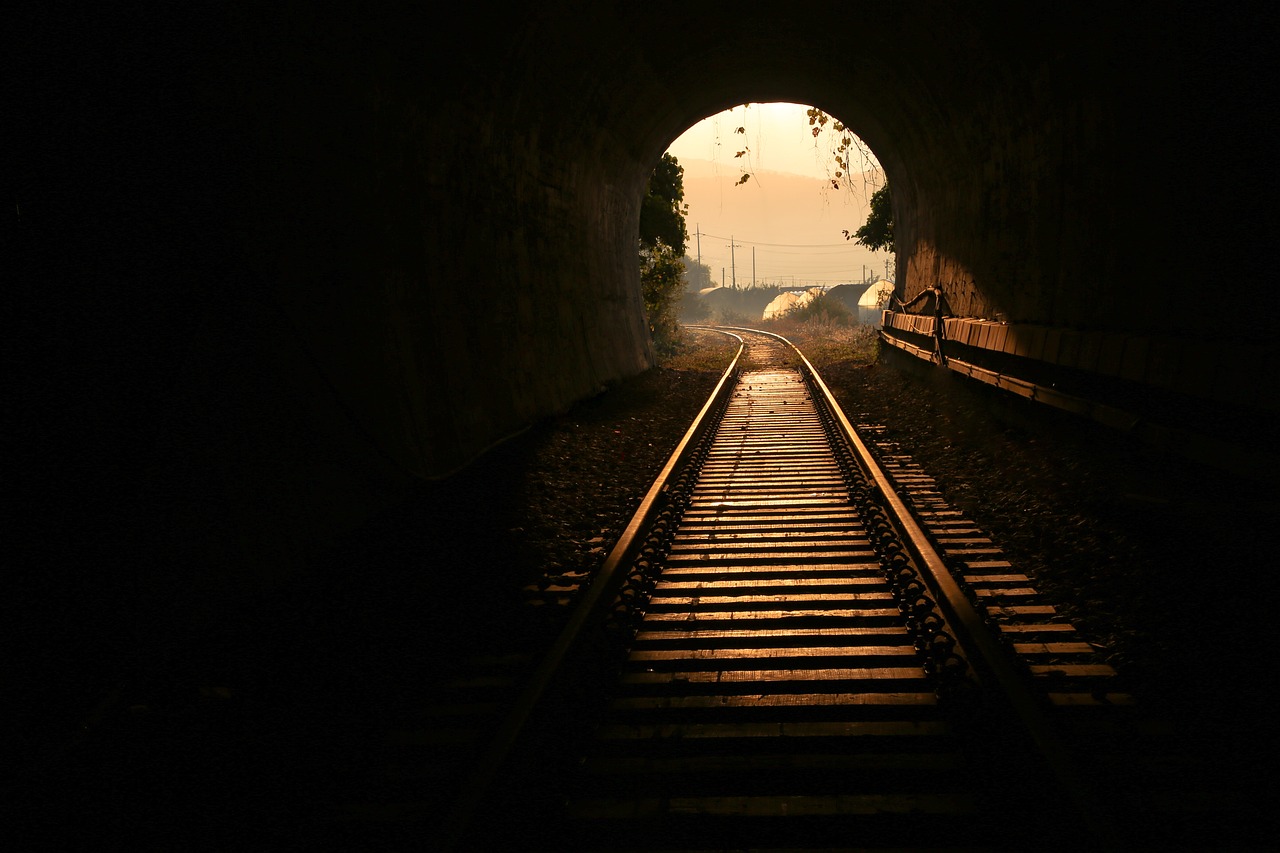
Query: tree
663,211
662,242
697,276
877,233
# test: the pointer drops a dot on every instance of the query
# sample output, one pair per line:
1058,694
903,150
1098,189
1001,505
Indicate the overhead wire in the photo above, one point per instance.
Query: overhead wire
779,245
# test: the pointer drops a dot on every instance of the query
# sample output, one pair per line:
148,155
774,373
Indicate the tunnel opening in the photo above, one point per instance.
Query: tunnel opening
773,193
1141,377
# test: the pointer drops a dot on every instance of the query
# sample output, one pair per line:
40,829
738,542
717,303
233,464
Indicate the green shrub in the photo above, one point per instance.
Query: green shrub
661,282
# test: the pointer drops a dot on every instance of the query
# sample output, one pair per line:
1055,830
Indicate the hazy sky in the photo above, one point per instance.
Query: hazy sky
787,219
778,136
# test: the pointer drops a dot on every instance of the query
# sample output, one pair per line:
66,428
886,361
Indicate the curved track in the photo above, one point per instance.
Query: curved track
789,663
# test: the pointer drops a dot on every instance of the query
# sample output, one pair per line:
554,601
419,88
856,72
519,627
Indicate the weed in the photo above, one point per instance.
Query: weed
701,351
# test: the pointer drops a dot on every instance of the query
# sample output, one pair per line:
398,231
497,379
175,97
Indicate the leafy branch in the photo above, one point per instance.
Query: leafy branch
847,148
746,176
877,232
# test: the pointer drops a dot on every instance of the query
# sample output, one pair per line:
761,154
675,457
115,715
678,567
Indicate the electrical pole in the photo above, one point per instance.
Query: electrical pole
697,229
733,266
753,267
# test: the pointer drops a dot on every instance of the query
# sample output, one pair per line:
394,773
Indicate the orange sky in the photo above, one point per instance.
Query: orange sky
789,225
787,214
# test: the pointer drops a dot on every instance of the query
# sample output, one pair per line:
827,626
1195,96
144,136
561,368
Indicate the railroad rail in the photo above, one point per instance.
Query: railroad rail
795,646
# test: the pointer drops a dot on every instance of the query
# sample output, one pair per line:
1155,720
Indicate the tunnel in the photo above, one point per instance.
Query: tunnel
271,268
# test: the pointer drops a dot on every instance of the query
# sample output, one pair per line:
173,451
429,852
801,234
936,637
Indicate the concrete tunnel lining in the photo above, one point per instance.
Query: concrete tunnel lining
306,259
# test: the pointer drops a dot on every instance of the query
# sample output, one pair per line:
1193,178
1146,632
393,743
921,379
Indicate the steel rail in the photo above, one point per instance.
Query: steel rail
606,582
993,662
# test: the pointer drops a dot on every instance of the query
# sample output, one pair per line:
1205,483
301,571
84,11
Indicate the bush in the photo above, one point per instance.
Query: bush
824,346
661,282
693,308
729,317
822,311
826,332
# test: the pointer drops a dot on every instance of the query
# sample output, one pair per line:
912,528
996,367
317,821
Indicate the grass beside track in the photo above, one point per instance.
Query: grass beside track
822,344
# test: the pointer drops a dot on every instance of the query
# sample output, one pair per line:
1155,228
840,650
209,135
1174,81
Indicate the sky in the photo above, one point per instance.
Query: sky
785,221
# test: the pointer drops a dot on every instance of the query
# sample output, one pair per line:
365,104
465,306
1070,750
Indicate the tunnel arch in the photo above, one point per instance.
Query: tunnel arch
964,107
799,145
304,259
934,125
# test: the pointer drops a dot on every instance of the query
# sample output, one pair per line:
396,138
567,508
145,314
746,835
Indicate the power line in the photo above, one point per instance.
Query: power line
783,245
805,254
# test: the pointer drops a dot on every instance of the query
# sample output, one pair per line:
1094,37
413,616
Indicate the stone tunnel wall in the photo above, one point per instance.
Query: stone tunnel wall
274,268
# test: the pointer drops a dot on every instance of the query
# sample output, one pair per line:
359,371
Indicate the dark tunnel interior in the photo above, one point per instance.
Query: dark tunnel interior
273,273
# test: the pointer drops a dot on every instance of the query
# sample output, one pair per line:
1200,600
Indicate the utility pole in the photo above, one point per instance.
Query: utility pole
733,266
753,267
697,230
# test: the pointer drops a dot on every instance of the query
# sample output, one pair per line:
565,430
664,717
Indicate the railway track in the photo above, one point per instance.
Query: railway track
796,644
795,647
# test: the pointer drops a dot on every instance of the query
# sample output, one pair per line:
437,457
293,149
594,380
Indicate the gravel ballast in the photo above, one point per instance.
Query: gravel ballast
1101,524
1152,558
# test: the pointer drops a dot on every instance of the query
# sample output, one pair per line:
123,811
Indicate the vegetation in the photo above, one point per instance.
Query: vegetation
850,156
697,275
826,329
822,310
847,148
702,351
827,332
662,242
663,210
661,284
729,317
693,308
877,233
831,344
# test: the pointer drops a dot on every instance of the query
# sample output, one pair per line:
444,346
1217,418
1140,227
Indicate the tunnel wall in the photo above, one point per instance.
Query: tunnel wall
275,271
274,268
1088,166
